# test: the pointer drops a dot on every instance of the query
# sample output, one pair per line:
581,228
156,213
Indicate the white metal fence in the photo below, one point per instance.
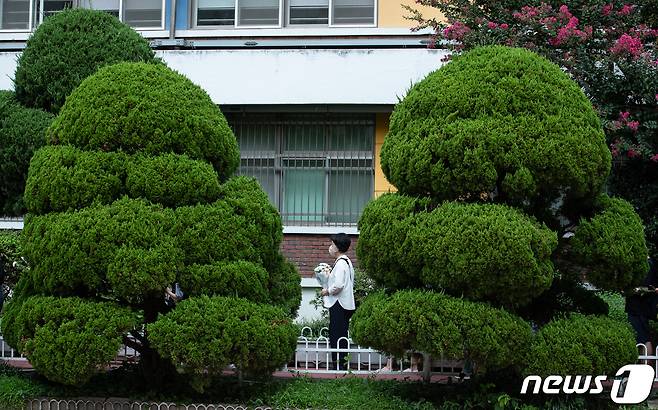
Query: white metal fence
314,355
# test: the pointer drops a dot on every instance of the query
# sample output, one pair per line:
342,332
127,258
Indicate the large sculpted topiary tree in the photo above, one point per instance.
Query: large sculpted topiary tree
496,156
133,193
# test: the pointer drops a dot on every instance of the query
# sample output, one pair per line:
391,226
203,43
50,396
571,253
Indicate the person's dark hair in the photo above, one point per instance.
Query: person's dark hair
342,241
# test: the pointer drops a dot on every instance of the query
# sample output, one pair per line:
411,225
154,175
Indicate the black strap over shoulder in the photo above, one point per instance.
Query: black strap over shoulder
349,264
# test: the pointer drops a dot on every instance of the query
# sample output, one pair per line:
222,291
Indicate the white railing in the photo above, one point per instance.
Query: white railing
645,358
8,354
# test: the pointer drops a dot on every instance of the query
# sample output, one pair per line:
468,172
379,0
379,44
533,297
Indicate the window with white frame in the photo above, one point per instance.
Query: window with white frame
141,14
268,13
316,169
353,12
112,7
15,14
309,12
237,13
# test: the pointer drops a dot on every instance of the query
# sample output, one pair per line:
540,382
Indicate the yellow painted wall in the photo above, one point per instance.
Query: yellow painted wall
391,13
381,129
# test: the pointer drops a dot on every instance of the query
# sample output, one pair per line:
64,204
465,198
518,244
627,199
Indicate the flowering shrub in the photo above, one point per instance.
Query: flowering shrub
607,46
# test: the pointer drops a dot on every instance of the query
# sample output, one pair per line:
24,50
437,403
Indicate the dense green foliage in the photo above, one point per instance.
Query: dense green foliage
126,202
172,180
22,132
52,331
442,325
66,178
13,265
611,244
608,47
456,134
146,108
67,48
582,345
499,158
207,334
485,252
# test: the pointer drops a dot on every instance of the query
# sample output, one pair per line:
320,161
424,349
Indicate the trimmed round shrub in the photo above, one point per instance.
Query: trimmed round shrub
582,345
150,109
65,178
172,180
442,325
483,252
22,132
242,279
67,48
138,274
206,334
66,339
497,120
71,252
612,246
285,285
384,248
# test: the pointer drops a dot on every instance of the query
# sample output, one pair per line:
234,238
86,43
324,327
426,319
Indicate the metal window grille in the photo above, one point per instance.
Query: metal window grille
318,169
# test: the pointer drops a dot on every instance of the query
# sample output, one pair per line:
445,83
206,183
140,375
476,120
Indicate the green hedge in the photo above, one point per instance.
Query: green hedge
139,274
497,119
67,48
582,345
241,279
7,103
203,335
66,339
285,285
483,252
65,178
13,265
172,180
147,108
611,245
71,252
442,325
22,132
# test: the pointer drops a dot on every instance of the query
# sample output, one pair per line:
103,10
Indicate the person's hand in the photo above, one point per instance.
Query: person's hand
324,292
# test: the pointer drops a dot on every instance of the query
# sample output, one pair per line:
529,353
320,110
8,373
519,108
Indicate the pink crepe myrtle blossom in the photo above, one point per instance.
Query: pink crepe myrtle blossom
655,158
625,10
633,125
456,31
628,45
491,25
504,26
632,153
607,9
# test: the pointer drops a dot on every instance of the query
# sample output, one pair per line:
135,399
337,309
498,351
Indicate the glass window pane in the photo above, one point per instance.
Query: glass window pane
309,11
351,136
307,136
349,192
15,14
354,12
215,13
142,13
109,6
51,7
258,12
303,199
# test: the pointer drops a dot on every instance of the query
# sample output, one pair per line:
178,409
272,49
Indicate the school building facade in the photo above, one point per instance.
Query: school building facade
307,86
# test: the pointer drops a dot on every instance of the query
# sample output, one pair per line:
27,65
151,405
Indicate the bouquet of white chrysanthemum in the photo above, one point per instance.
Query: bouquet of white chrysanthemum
322,272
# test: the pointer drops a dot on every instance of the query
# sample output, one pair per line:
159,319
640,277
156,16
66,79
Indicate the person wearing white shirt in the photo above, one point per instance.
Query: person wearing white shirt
338,297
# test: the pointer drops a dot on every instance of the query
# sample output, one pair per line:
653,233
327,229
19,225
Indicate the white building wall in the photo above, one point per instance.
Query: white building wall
306,76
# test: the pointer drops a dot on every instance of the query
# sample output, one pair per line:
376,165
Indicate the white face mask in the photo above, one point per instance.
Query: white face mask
333,250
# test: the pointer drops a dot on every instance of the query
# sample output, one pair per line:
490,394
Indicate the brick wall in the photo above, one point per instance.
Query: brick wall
307,251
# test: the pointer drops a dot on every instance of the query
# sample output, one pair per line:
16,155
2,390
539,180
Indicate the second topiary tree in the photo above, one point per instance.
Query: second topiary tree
497,156
133,194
